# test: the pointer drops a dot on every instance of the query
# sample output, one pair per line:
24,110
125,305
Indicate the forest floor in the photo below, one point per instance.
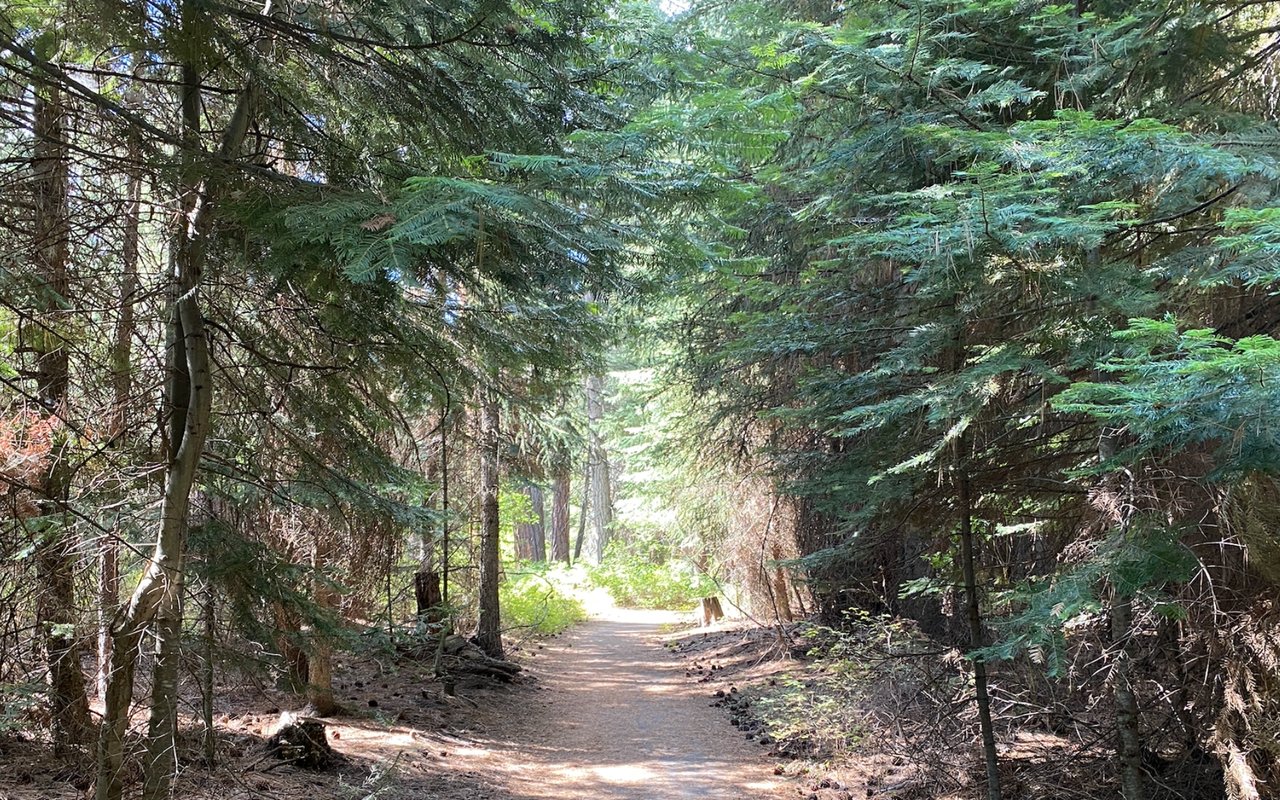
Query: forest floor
601,712
632,705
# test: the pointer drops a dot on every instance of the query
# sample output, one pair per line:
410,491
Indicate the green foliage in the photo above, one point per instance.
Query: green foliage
514,509
816,713
544,598
20,703
821,710
970,202
649,573
1147,562
1175,390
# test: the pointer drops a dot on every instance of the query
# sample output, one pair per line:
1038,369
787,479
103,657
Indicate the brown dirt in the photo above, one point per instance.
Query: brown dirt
602,712
619,720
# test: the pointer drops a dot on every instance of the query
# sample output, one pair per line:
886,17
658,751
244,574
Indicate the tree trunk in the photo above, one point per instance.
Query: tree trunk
489,630
531,538
781,599
1128,737
427,595
977,639
188,395
288,630
560,517
207,670
161,759
582,516
108,604
55,567
427,536
122,396
601,491
320,661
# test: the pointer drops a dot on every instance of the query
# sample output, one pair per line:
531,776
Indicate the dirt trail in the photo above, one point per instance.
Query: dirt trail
609,715
618,720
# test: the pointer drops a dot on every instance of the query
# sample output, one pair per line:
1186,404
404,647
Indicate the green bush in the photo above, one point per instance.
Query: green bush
19,704
647,574
819,714
542,597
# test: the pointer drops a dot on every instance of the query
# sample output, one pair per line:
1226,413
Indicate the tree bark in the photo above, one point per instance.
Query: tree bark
426,580
207,674
320,661
781,599
1128,737
977,639
288,630
55,567
160,763
427,595
586,506
488,629
189,395
108,604
601,490
560,517
531,537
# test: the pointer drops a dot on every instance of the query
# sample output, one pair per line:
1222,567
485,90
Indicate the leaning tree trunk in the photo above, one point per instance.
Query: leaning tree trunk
55,566
977,639
560,517
781,598
488,629
601,491
188,395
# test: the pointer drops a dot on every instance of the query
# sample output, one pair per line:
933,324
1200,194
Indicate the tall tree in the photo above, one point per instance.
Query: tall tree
1041,185
489,625
601,489
531,538
188,395
560,517
55,565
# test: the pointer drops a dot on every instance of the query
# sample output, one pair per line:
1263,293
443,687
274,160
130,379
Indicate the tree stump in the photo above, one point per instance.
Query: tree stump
711,610
302,741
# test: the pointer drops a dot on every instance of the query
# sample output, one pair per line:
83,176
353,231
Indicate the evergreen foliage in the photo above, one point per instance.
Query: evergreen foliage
963,311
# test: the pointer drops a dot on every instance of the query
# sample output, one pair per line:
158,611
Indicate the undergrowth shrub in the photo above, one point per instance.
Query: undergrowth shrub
542,597
19,704
816,715
865,675
648,573
383,783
